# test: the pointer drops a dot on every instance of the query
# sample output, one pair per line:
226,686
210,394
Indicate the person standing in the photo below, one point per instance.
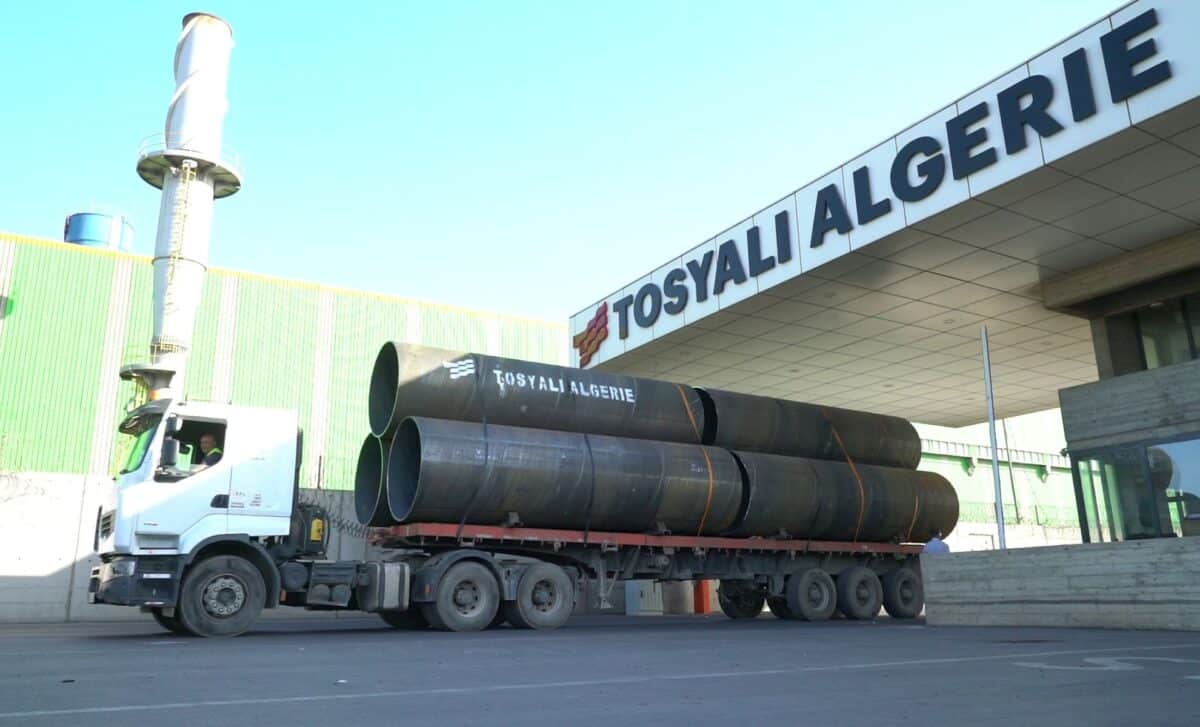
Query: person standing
936,545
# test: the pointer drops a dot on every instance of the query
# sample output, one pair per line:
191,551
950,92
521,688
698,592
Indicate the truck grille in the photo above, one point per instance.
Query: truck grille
106,524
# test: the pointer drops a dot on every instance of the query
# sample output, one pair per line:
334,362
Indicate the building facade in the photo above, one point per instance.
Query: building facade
71,316
1056,206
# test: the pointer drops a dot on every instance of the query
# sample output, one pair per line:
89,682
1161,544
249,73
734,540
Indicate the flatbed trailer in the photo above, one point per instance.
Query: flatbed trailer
447,567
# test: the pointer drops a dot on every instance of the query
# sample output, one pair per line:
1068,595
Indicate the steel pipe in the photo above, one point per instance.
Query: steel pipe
744,422
370,500
450,471
417,381
824,500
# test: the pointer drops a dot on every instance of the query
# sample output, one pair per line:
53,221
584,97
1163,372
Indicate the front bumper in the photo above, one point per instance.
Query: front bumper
133,581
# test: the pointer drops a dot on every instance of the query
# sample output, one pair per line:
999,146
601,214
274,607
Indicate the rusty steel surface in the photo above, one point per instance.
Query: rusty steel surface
449,471
793,428
370,500
418,381
812,498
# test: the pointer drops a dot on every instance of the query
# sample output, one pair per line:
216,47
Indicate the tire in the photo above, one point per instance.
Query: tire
545,598
903,593
409,620
859,593
737,600
170,623
811,595
780,608
221,596
467,598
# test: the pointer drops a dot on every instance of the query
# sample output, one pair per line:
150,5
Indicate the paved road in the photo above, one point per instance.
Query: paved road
608,670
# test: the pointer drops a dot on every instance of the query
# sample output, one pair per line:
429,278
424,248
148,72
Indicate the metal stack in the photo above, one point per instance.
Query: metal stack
468,438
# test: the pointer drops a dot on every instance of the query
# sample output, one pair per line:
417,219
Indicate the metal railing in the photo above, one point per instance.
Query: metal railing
158,144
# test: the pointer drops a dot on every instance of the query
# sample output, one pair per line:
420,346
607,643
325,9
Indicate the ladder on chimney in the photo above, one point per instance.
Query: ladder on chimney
179,212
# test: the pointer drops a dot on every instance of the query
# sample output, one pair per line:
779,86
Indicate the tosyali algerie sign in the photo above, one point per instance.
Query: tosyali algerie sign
978,136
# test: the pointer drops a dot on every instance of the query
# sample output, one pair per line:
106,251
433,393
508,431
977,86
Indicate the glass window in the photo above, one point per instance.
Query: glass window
1122,504
1096,516
142,430
1175,471
1164,334
1191,307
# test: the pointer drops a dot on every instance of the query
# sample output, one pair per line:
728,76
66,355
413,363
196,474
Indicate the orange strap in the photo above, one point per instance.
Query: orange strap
708,501
862,493
916,509
687,406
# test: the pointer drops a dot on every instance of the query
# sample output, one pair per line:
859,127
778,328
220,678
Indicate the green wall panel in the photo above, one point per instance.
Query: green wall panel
50,356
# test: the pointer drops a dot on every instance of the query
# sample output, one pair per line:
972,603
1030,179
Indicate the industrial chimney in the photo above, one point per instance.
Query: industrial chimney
192,168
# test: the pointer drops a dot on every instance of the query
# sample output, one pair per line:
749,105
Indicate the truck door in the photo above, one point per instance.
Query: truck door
263,480
189,501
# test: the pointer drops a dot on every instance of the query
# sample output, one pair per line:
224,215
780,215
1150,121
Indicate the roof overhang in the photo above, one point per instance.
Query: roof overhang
868,287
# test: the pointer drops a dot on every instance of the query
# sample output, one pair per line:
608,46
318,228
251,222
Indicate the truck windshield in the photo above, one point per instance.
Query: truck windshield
142,432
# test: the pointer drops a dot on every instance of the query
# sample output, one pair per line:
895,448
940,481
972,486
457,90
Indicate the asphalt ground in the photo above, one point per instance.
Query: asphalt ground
600,670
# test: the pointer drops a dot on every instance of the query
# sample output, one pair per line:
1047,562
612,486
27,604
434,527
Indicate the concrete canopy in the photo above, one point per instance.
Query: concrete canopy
856,293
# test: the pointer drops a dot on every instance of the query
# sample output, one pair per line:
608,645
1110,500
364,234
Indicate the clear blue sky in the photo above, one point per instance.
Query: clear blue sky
523,157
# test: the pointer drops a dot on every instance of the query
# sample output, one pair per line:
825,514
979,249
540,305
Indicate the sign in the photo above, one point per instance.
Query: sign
988,137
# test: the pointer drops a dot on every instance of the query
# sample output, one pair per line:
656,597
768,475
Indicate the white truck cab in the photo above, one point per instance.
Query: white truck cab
165,501
169,514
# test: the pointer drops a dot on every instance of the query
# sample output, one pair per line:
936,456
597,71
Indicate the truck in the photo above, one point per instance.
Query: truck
206,549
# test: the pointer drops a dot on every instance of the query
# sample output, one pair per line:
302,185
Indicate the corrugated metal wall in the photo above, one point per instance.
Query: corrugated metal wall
258,341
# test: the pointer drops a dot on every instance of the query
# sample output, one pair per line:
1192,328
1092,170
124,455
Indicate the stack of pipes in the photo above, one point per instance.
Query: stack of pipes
473,439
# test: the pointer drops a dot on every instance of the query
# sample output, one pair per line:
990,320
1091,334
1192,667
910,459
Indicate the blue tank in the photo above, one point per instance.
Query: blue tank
95,229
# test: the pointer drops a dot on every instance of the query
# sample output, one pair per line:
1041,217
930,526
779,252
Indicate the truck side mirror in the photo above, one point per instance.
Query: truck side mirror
170,452
172,427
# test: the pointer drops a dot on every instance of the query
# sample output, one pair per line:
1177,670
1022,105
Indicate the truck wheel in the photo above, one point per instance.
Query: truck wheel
859,593
780,608
737,600
903,594
221,596
467,599
811,595
170,623
545,598
410,620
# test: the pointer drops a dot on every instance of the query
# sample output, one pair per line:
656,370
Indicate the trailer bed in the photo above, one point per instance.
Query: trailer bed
442,534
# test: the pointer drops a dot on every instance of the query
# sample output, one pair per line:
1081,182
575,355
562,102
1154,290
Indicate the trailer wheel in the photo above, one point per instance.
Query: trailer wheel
221,596
467,599
859,593
811,595
780,608
903,594
170,623
545,598
737,600
411,619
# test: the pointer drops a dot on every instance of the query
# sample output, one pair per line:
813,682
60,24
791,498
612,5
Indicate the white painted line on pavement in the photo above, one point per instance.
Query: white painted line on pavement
567,684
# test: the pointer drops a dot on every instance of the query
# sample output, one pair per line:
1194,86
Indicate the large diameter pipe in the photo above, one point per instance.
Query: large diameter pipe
824,500
451,471
370,497
777,426
418,381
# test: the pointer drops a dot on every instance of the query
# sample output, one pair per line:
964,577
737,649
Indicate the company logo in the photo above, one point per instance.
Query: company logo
588,341
459,369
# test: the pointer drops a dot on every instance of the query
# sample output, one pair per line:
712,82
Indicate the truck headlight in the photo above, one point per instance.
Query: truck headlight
122,567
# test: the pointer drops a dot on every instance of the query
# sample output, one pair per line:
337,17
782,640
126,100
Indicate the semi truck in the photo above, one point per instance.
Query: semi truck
206,549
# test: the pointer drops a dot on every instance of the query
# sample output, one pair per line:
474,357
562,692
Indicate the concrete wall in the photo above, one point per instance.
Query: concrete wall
1156,404
46,543
1144,584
